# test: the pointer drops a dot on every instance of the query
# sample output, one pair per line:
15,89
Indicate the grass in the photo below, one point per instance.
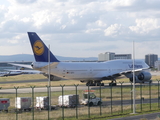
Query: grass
34,77
69,113
40,84
22,77
83,113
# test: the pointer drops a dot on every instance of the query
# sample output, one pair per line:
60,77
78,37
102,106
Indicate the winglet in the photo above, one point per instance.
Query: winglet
40,50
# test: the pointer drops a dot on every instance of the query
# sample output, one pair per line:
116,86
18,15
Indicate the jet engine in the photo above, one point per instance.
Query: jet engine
142,77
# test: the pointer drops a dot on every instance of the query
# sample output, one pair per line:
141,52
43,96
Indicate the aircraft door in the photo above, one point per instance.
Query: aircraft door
90,71
108,69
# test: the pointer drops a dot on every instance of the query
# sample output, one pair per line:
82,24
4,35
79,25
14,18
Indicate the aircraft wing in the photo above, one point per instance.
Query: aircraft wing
22,65
131,71
26,71
113,76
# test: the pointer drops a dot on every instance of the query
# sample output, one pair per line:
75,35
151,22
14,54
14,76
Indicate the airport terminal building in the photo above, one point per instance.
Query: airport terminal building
112,56
150,59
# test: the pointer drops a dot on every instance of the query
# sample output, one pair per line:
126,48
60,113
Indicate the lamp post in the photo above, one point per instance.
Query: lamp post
133,90
49,81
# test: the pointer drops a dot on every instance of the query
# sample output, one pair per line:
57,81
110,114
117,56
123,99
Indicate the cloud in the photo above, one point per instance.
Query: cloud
135,5
12,41
145,26
25,1
95,24
115,30
3,10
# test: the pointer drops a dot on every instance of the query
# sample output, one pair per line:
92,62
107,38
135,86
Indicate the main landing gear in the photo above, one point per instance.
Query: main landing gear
113,83
94,83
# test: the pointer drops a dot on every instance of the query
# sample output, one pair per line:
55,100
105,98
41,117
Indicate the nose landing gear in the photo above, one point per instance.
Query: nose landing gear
94,83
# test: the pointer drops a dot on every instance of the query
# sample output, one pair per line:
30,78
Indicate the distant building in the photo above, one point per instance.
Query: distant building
122,56
150,59
106,56
109,56
157,65
112,56
101,57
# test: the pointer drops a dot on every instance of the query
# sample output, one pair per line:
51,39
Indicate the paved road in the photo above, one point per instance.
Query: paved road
24,81
129,102
44,89
151,116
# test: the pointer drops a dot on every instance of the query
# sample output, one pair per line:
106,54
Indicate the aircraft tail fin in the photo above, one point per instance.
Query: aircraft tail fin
40,50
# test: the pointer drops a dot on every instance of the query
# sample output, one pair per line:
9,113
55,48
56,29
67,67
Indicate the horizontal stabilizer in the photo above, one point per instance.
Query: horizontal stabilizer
21,65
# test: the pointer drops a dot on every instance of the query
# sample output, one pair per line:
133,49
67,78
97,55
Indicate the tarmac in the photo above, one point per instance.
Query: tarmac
151,116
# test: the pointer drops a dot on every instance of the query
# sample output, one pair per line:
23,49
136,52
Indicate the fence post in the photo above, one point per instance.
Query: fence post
32,101
111,96
121,97
16,88
158,93
131,98
100,99
141,95
62,102
88,102
48,107
76,101
150,94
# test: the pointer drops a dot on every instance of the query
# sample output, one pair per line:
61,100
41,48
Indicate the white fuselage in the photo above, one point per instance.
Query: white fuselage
89,70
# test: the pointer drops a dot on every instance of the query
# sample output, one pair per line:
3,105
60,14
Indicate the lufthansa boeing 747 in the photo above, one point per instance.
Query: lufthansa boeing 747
93,73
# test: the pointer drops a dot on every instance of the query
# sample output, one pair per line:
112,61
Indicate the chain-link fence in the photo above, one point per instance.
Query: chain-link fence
71,102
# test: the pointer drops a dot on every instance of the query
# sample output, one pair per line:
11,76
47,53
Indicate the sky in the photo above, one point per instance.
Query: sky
81,28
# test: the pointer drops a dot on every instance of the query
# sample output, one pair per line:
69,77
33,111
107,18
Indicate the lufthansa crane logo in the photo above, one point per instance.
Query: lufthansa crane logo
38,47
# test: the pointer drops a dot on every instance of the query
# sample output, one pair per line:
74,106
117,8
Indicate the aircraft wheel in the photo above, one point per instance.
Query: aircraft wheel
99,84
87,84
90,83
90,104
51,77
99,103
102,84
112,84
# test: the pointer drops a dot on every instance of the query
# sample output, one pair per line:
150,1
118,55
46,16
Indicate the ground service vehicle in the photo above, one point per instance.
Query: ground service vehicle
89,98
68,100
4,104
23,103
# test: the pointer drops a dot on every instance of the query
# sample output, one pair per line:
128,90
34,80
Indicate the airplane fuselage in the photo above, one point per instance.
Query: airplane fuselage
90,70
